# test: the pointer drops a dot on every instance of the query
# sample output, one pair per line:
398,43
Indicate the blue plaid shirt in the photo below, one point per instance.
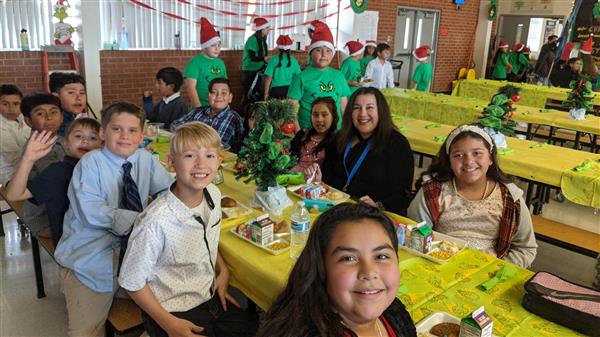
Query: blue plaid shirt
227,123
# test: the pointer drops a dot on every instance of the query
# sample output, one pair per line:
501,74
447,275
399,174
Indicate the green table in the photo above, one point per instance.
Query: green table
541,163
532,95
454,110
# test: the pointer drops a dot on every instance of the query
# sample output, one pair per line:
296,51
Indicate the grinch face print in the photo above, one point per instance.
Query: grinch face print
325,89
215,71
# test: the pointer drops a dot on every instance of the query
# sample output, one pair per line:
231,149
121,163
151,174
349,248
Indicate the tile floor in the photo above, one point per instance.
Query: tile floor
22,314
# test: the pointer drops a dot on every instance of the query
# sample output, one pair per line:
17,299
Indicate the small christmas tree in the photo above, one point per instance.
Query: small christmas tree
265,153
498,114
580,98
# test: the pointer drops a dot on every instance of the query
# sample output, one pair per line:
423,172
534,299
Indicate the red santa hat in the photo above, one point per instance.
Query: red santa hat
261,23
566,54
321,38
422,53
354,48
208,34
313,25
503,44
518,47
526,51
284,42
586,47
371,43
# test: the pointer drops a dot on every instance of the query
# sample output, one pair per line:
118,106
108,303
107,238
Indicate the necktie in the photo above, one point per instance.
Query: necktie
130,199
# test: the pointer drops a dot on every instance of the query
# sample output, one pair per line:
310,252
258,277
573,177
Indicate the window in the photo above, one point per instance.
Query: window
35,16
152,24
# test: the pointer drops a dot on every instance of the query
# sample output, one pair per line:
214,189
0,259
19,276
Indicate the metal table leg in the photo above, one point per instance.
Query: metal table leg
37,265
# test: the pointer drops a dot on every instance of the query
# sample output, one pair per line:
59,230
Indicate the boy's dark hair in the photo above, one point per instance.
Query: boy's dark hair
552,38
306,289
30,102
381,47
298,143
441,170
573,60
218,80
86,123
117,108
10,89
171,75
58,80
385,126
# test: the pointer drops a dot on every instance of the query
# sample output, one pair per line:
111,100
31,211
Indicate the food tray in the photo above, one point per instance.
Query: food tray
425,325
428,322
342,196
437,237
277,238
238,211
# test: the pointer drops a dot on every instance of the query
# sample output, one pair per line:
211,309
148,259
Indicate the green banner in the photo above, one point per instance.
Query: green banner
358,6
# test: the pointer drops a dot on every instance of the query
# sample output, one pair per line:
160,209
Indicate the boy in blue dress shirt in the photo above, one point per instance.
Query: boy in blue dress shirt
109,188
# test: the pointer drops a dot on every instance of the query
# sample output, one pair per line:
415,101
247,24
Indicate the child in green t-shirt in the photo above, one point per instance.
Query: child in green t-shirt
204,67
255,56
368,56
519,63
424,71
502,66
351,65
281,69
319,79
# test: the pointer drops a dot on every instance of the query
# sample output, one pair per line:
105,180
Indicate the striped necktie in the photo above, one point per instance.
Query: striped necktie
130,200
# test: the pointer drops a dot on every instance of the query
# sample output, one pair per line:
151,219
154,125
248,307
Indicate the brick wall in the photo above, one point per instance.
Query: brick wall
24,68
452,51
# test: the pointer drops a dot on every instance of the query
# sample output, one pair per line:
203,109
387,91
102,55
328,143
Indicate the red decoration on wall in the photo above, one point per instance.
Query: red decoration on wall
443,31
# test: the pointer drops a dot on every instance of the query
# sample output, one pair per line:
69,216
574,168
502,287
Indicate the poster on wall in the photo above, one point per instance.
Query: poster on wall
366,19
587,22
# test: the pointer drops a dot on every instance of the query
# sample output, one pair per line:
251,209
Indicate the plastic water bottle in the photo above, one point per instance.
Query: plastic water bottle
24,39
299,229
124,35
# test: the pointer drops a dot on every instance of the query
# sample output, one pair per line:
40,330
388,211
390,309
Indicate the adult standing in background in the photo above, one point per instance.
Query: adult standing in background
255,55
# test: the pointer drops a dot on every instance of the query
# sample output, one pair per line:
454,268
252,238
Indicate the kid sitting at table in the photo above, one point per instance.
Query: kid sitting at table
344,282
41,112
179,280
218,114
171,105
70,90
14,132
309,145
49,188
319,79
109,188
465,194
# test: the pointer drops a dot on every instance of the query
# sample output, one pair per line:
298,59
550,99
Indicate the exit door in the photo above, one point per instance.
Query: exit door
414,27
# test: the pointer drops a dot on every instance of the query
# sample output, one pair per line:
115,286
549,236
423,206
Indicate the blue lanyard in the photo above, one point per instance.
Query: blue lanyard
356,166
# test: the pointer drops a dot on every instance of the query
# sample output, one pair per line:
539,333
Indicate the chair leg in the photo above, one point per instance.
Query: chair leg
37,265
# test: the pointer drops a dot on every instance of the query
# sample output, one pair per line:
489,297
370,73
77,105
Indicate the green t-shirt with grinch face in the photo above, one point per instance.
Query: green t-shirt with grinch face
313,83
204,69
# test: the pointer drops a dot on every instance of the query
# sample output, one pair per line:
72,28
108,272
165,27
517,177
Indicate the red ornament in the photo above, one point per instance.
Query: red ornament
515,98
288,127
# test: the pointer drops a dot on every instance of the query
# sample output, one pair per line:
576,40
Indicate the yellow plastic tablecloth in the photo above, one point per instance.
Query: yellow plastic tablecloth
583,186
529,160
453,110
451,287
531,95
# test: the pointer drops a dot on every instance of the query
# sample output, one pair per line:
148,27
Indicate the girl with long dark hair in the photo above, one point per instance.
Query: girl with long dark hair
345,281
370,159
255,55
465,194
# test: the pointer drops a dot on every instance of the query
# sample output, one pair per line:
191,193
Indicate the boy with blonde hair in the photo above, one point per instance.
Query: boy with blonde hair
109,188
172,268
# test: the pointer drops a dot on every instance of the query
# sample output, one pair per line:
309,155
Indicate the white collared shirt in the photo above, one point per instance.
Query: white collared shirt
381,73
171,98
13,138
167,250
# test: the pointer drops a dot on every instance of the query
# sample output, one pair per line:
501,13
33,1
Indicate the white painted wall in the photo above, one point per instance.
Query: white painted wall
91,42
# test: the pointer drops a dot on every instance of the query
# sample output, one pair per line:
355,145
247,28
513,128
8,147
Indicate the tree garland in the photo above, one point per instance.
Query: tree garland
498,114
581,94
265,153
493,11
